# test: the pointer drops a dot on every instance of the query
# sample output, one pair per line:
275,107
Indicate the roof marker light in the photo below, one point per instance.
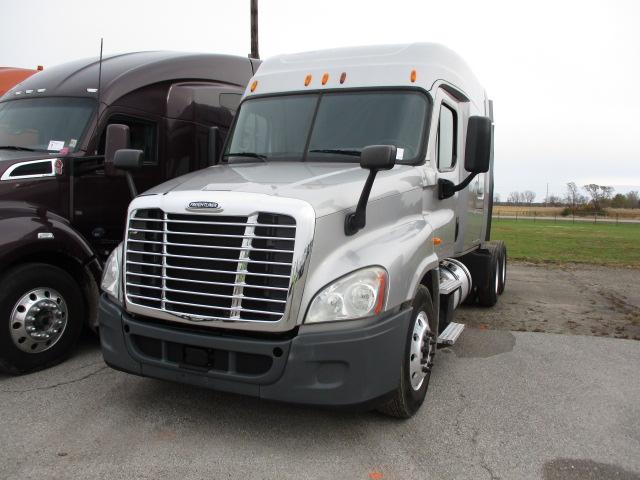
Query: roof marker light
343,77
41,90
40,68
29,91
307,80
325,78
254,85
92,90
413,76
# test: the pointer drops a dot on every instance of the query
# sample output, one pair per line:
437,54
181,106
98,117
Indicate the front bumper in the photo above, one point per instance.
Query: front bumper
347,363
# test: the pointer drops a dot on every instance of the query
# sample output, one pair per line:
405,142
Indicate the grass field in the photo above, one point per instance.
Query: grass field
549,242
540,211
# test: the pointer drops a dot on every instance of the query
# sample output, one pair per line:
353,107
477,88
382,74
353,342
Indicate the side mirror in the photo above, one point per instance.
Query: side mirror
373,158
127,159
212,146
378,157
117,138
478,147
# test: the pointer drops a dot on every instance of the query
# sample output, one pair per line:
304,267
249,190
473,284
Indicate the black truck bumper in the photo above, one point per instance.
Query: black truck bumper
354,363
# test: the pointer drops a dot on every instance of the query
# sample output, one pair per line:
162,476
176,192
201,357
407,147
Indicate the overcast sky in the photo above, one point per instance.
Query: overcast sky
564,75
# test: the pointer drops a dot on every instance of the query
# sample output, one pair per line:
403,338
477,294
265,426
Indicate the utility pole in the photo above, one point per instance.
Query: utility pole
546,199
254,30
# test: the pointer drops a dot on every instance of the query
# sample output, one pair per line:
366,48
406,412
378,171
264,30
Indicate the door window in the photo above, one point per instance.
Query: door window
446,140
143,134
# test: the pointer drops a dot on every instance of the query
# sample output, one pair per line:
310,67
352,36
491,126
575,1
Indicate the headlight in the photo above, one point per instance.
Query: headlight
111,275
359,294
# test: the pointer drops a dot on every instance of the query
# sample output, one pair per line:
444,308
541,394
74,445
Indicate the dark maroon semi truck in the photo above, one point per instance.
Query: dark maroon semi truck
76,141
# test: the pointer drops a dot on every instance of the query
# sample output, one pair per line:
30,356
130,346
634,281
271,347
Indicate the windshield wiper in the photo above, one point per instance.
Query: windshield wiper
353,153
15,147
247,155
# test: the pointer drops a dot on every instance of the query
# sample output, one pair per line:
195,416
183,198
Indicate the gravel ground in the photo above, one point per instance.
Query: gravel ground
573,299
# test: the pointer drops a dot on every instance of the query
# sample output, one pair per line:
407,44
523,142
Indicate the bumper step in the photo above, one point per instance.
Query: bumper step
451,333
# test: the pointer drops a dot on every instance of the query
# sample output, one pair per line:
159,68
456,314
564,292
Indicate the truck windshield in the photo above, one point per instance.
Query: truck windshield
46,124
333,126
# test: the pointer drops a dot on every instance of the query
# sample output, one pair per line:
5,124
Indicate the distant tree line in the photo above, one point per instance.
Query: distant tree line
595,198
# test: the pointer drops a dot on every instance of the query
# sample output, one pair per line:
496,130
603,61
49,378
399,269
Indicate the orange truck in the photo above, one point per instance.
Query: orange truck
10,76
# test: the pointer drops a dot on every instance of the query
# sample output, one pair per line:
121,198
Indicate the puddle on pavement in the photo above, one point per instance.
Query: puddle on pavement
575,469
476,343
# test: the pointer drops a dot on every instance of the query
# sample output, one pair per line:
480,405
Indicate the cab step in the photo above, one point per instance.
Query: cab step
451,333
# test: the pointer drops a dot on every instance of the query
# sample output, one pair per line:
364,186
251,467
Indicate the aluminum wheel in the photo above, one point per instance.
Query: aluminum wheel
38,320
423,344
504,271
497,279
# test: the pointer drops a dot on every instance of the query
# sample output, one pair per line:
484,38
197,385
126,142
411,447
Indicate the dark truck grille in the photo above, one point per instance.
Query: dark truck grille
218,267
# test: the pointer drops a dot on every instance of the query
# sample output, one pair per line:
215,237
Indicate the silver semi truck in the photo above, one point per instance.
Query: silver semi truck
322,258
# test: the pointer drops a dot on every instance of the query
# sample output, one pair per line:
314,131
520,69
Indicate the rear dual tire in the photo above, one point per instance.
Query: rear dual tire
495,277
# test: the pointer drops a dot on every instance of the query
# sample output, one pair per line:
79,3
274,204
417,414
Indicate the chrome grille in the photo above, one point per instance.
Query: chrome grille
216,267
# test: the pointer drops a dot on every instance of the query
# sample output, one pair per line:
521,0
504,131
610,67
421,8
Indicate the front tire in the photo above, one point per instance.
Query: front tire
41,317
417,361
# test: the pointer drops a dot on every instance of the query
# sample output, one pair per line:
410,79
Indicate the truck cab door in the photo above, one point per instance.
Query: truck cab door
100,201
446,160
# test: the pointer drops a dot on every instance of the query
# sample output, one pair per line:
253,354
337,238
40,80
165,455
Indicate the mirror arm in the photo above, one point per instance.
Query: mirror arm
212,146
131,184
446,188
356,221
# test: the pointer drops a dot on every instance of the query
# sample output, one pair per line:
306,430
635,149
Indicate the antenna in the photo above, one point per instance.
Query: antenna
99,78
254,30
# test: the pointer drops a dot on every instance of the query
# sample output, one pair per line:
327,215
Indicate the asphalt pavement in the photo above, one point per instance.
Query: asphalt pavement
500,405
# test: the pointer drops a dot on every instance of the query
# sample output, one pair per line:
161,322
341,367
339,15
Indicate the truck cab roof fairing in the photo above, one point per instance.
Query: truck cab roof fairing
371,66
124,73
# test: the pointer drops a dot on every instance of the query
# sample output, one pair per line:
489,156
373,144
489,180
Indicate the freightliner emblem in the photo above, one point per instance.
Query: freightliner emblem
201,205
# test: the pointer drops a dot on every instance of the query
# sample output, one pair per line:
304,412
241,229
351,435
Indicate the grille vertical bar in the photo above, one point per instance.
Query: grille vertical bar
164,261
238,290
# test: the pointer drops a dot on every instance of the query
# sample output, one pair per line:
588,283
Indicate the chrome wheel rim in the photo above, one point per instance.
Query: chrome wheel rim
423,344
497,279
38,320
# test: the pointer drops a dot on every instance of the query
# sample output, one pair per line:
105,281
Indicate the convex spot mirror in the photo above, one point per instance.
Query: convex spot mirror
378,157
128,159
478,147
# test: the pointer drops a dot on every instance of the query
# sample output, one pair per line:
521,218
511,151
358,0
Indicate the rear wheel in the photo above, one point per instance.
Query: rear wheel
502,252
488,290
417,362
41,317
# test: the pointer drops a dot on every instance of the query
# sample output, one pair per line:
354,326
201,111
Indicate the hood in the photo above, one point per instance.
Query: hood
329,186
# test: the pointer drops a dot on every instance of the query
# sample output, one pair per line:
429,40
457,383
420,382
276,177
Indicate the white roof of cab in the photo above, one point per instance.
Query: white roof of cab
371,66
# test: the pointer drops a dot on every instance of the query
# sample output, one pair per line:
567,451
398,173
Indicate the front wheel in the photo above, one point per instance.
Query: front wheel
417,362
41,317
